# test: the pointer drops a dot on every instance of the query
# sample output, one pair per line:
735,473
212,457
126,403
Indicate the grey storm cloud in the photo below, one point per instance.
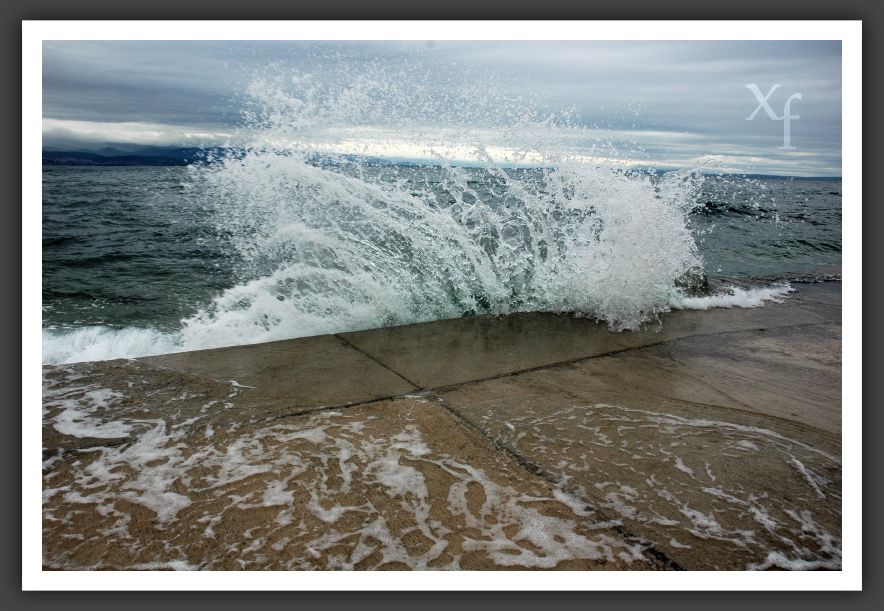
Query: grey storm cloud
692,93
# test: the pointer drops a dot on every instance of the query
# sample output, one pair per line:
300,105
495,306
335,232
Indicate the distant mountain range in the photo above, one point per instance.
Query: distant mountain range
182,156
143,156
178,156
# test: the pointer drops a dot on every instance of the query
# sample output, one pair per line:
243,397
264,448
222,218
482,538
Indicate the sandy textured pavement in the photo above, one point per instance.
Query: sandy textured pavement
530,441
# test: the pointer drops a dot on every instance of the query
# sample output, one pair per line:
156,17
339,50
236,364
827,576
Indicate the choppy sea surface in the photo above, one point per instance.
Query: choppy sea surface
146,260
310,228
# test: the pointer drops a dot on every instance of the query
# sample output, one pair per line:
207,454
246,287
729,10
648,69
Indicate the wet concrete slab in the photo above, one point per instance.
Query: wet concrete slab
527,441
196,389
295,374
792,373
716,484
807,304
454,351
398,485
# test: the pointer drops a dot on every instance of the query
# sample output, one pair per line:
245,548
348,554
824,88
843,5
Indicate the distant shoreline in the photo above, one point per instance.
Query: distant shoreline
185,156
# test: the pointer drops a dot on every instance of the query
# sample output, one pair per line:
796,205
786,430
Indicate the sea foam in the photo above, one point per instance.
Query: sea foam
513,211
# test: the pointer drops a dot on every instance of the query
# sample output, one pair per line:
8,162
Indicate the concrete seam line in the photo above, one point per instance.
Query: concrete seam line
612,353
539,471
384,365
443,387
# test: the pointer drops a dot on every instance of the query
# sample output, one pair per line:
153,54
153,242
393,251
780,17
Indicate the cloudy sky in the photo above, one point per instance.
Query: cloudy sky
661,103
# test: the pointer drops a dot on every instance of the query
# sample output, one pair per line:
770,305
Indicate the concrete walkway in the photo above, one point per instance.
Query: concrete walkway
529,441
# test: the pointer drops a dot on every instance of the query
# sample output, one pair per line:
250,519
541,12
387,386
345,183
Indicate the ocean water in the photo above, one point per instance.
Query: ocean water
293,235
147,260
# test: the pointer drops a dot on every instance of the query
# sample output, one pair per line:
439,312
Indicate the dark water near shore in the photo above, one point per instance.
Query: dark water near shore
753,227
